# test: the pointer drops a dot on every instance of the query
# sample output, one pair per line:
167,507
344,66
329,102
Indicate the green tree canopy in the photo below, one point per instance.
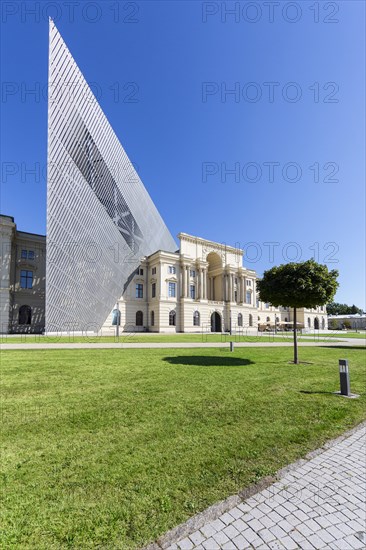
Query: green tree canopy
296,285
307,284
334,308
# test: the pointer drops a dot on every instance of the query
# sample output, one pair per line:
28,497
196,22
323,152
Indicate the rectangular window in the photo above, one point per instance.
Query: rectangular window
139,290
24,254
249,283
267,306
153,271
26,279
171,290
235,296
192,291
248,297
172,269
192,273
153,290
30,254
139,271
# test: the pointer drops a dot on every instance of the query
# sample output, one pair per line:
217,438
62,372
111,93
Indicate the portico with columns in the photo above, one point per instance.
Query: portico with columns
201,287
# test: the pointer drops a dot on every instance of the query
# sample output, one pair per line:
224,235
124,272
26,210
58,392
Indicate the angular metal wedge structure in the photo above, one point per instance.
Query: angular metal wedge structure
100,218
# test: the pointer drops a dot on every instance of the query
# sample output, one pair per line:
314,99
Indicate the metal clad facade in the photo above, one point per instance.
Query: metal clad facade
100,218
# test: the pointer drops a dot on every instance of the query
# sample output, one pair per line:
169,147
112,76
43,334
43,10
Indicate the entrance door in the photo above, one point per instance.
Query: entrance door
215,322
316,323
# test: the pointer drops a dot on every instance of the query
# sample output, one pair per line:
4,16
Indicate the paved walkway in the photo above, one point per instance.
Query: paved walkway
155,345
317,503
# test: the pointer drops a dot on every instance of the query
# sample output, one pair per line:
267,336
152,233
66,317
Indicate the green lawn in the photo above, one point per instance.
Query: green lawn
344,334
158,338
111,448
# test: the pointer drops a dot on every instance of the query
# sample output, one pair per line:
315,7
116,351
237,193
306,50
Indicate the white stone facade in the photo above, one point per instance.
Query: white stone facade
203,287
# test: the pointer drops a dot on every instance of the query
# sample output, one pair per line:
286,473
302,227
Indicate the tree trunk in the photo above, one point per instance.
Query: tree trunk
296,360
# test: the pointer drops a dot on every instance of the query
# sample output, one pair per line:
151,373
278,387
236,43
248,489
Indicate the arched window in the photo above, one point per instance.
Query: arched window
316,323
240,320
285,319
25,315
259,318
251,320
309,322
152,316
268,319
323,323
196,319
172,318
139,318
116,317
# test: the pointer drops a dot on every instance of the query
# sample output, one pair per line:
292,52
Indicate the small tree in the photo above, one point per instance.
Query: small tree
297,285
346,324
333,324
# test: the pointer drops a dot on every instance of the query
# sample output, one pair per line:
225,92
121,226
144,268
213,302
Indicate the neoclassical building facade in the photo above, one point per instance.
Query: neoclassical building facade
202,287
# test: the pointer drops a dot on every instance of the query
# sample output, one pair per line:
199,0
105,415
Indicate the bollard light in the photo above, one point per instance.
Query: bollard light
344,377
231,346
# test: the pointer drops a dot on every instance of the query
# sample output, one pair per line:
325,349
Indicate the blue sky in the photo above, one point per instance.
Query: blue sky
276,166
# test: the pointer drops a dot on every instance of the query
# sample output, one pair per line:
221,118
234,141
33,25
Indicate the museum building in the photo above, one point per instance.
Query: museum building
108,259
202,287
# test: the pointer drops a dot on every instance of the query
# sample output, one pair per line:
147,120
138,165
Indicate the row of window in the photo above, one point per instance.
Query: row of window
25,318
173,270
172,318
172,291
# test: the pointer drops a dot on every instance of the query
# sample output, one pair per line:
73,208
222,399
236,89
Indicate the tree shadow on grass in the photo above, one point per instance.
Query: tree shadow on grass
208,361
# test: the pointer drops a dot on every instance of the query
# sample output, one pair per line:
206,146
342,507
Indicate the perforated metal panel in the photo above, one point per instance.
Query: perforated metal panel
100,218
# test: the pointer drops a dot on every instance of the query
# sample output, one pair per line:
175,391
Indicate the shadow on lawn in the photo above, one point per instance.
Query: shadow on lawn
208,361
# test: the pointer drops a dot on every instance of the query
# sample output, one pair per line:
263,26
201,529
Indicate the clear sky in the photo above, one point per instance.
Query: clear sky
277,166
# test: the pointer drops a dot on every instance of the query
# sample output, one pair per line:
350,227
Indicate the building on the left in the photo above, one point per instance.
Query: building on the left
23,279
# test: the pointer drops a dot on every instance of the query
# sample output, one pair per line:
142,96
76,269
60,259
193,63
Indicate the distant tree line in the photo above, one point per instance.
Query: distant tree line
342,309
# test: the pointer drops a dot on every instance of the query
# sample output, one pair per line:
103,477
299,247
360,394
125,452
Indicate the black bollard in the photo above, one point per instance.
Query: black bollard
344,377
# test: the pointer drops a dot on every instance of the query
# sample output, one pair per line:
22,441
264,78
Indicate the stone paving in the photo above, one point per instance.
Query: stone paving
318,503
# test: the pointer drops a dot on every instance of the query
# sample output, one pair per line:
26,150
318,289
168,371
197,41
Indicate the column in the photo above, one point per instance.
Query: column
204,284
183,287
241,289
230,288
188,295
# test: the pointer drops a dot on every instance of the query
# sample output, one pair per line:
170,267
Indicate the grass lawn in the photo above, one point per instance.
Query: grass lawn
135,337
111,448
344,334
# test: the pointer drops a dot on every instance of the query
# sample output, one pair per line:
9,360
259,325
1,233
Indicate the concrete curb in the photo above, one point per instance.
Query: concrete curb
216,510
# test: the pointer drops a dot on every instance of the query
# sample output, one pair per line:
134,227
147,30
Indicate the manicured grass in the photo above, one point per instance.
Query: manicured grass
343,334
135,337
111,448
